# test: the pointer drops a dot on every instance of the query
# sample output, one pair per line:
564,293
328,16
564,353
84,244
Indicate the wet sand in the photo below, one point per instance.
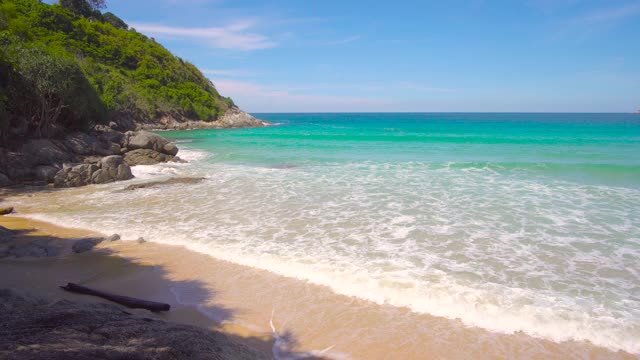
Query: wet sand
246,302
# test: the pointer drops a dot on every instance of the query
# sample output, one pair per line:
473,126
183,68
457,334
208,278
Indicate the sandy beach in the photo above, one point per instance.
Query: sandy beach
308,320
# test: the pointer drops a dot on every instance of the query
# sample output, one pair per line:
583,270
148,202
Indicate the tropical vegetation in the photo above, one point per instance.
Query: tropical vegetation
69,66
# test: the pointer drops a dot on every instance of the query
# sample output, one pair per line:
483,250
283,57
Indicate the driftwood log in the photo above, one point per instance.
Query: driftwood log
122,300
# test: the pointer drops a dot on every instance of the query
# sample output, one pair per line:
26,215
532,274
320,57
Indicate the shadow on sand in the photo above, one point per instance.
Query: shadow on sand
192,302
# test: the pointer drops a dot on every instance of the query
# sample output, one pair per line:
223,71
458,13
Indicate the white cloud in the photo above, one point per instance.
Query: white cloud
253,96
236,36
258,97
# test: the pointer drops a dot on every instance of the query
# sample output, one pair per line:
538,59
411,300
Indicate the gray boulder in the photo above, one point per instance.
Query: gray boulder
45,152
112,136
4,180
84,245
145,157
112,238
81,143
74,176
19,172
170,149
93,159
115,166
107,148
101,176
46,172
123,122
84,144
150,141
108,169
109,162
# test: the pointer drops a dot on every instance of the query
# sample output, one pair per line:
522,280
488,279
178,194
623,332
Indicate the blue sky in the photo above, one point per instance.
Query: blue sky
456,55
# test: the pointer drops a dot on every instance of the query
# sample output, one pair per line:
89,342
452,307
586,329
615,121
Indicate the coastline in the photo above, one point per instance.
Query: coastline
244,303
232,118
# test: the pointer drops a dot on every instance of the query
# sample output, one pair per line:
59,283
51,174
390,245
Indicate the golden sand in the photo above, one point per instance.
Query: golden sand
245,302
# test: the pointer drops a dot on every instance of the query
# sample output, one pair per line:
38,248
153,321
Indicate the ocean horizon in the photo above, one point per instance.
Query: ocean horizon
511,222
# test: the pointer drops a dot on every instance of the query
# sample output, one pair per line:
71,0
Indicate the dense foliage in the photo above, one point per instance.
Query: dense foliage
45,91
68,65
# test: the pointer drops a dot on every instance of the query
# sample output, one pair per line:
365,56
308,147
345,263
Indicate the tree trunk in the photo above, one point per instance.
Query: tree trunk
122,300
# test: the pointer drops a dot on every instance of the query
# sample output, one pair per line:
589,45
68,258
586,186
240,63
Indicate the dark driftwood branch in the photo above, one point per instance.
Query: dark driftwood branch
123,300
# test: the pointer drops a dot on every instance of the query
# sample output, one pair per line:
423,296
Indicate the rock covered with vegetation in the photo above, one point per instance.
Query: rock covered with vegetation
68,67
74,80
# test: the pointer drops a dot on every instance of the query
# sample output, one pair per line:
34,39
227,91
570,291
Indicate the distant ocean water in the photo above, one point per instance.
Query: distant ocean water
510,222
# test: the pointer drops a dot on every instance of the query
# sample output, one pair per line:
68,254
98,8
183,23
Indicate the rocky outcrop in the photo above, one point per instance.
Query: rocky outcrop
75,159
37,160
145,157
145,148
73,176
150,141
45,152
233,118
81,159
109,169
236,118
38,328
84,144
81,143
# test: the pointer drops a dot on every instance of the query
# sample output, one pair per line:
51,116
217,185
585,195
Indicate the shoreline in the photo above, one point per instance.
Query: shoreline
245,302
107,267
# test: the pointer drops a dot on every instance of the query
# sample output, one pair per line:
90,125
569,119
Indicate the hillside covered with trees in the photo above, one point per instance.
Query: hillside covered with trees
69,66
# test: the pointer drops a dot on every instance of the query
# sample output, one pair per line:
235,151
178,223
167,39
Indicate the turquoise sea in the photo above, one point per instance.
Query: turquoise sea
510,222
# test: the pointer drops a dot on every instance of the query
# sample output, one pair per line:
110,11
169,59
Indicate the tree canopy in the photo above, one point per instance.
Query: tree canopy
85,8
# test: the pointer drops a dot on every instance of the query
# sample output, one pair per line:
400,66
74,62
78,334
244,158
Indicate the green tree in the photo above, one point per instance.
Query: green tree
118,23
47,90
86,8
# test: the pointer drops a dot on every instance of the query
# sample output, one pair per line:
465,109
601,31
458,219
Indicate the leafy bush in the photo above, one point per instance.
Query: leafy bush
46,91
